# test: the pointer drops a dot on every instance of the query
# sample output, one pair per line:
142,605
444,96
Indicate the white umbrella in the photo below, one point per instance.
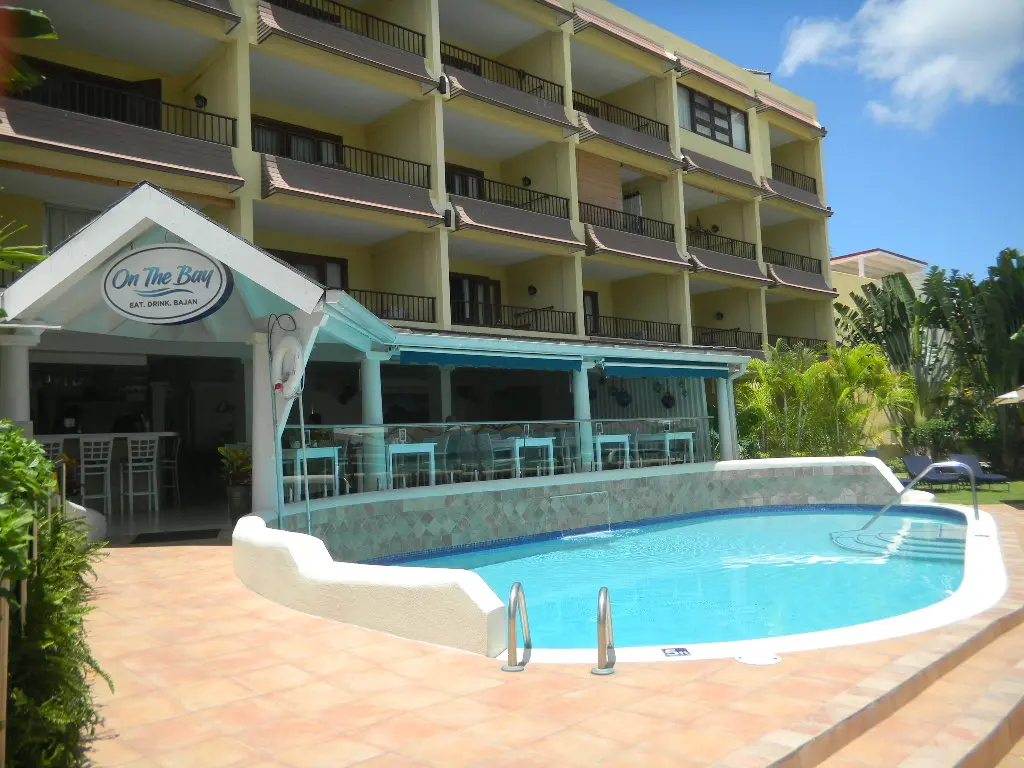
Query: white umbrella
1010,398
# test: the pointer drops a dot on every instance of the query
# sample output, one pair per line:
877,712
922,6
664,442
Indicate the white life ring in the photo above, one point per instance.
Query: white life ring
286,366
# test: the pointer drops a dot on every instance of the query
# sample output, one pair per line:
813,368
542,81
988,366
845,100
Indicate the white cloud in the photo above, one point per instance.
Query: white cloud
930,53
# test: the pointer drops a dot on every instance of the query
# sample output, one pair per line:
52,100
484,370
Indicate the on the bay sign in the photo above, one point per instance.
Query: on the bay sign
166,284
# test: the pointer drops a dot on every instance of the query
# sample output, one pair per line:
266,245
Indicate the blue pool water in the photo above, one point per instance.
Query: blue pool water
733,576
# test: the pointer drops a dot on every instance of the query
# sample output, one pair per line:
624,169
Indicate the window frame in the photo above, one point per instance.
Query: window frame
712,108
315,260
284,130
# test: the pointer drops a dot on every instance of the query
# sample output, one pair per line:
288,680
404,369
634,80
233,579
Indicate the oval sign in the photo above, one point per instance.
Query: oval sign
167,284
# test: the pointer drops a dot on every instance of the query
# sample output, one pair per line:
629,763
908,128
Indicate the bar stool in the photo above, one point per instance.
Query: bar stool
169,479
95,462
53,447
141,462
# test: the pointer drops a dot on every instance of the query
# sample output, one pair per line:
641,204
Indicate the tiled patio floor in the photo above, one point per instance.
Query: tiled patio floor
210,674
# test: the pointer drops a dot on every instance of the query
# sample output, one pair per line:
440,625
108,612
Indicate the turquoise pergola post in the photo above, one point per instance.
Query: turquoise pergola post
726,447
373,415
581,412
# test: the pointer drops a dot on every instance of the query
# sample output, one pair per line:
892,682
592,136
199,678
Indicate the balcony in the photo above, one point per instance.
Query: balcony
122,126
795,179
541,320
502,85
599,119
797,341
727,337
792,260
397,306
609,218
626,234
627,328
295,164
709,241
348,32
494,206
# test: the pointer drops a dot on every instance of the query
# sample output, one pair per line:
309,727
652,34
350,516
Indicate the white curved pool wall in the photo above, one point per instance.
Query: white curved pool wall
366,526
449,607
984,584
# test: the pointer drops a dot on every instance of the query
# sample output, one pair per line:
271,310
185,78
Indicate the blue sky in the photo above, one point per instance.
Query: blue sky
947,189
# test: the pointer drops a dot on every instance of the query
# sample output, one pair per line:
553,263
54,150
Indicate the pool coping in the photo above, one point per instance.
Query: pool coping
984,584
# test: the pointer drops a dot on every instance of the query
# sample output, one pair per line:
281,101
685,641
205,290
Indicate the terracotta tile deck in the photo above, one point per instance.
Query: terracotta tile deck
210,674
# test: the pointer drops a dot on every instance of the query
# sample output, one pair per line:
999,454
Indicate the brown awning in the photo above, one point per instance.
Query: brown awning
596,128
688,66
501,95
768,103
332,185
776,188
584,19
604,240
788,277
45,127
702,163
220,8
725,264
274,20
558,8
486,216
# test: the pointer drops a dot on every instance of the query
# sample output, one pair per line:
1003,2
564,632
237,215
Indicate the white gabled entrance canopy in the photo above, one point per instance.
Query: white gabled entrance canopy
65,289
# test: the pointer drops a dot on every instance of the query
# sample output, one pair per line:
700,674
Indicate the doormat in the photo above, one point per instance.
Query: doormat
165,537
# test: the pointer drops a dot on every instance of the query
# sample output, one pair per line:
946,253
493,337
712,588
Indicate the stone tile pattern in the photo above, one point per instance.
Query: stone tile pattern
473,513
207,673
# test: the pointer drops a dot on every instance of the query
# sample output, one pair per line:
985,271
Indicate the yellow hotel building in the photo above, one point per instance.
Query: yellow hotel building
546,211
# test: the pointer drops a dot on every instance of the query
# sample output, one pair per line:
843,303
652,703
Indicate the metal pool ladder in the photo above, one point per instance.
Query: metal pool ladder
605,636
916,480
517,604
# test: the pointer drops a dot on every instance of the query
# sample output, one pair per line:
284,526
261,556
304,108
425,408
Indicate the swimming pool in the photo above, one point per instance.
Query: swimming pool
729,576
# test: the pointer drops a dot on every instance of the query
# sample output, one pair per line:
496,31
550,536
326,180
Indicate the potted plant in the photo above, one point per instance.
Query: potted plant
236,463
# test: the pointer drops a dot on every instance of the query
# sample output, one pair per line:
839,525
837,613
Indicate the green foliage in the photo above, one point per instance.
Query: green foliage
936,437
17,257
795,404
24,24
236,465
50,711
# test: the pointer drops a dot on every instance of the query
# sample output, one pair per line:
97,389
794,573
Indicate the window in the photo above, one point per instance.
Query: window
713,119
591,312
476,300
62,222
633,204
284,140
467,182
329,272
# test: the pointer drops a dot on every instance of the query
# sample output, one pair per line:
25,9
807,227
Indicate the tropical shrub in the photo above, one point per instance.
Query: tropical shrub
50,712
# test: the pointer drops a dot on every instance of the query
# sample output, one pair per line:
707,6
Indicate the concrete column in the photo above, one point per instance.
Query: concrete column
372,400
733,435
722,387
446,392
581,413
267,493
15,388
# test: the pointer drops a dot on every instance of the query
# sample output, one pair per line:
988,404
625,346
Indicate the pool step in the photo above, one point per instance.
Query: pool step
971,717
893,544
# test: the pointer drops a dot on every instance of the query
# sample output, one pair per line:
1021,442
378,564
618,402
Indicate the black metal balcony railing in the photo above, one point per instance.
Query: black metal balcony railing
701,238
795,178
133,109
332,154
626,222
360,23
546,320
469,185
792,260
627,328
496,72
727,337
602,109
397,306
797,341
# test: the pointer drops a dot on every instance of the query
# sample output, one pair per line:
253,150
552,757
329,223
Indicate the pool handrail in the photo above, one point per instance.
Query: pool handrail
920,477
605,635
517,604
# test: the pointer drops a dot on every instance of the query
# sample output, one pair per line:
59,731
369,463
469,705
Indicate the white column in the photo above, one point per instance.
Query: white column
724,420
15,388
446,392
734,439
581,412
373,414
266,494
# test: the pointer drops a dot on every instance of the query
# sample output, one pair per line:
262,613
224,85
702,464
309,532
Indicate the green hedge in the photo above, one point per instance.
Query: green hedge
50,712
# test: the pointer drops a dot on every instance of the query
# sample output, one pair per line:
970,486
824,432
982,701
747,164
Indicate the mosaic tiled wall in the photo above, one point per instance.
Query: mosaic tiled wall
464,514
